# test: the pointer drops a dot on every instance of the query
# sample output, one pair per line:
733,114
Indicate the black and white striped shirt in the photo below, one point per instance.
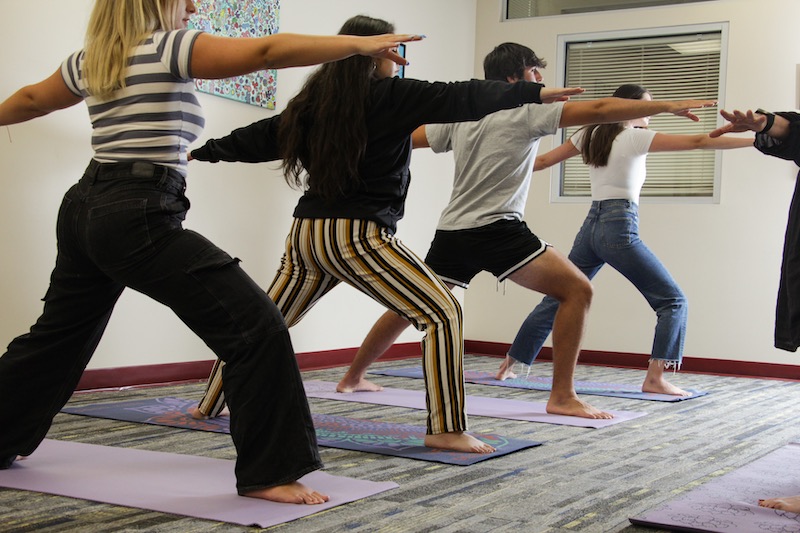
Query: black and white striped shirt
157,115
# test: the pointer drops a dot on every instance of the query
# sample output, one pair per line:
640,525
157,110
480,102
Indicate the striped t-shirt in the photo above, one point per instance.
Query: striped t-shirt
157,115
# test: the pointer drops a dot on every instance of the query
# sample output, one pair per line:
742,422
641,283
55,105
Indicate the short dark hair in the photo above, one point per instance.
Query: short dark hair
509,60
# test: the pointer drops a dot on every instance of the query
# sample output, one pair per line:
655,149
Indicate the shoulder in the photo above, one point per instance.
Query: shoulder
175,38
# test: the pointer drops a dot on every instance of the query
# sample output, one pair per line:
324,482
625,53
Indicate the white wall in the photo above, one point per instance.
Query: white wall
726,257
245,209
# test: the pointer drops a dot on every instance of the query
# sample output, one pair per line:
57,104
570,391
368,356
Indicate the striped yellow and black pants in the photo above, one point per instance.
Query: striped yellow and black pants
321,253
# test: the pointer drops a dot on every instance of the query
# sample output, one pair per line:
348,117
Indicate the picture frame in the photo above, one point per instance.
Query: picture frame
240,18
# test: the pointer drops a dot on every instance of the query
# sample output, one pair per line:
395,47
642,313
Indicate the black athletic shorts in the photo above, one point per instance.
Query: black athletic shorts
501,248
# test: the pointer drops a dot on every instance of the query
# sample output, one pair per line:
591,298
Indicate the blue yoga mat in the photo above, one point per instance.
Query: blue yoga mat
595,388
399,440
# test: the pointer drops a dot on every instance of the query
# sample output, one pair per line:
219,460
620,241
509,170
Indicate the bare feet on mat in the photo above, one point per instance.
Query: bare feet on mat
505,370
574,406
662,386
358,385
294,492
785,503
457,441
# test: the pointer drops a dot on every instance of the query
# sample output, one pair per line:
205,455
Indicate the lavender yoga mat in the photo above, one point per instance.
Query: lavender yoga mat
398,440
185,485
729,503
476,405
595,388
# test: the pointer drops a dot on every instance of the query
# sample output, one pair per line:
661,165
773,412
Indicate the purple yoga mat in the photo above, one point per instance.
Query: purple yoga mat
729,503
596,388
185,485
476,405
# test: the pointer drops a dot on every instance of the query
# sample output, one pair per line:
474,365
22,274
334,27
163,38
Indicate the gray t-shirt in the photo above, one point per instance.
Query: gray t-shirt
494,160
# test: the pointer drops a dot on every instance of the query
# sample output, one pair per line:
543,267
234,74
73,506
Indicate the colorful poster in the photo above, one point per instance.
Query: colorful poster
240,18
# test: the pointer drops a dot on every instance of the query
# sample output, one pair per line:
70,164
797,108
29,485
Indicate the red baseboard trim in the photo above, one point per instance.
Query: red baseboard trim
171,373
152,375
719,367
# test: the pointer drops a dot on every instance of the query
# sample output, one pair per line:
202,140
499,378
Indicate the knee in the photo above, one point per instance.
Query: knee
448,315
581,291
675,304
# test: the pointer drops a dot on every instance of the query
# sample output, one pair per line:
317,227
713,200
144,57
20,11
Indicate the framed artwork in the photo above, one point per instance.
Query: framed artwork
240,18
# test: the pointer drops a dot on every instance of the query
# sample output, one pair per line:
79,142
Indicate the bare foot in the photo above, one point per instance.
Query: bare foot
457,441
574,406
360,385
6,462
505,371
785,503
294,492
662,386
197,415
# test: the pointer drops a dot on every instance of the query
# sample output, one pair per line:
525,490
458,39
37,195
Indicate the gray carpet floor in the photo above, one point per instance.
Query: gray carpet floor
581,480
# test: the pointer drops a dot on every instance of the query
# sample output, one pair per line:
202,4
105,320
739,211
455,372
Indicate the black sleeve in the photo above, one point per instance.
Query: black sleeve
788,148
437,102
256,143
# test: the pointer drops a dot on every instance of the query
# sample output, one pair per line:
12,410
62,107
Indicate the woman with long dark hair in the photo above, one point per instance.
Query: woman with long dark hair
616,154
346,140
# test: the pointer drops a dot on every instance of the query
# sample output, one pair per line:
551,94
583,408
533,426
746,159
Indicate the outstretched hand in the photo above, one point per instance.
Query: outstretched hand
740,121
558,94
684,108
385,46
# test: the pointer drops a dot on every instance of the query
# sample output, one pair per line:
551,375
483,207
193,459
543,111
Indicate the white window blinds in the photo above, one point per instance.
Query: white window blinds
673,67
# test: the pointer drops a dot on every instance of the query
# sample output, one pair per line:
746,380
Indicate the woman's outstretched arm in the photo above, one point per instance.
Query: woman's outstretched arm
37,100
555,156
664,142
216,57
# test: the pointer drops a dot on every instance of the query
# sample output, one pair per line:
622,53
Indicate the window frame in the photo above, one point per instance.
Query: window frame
599,8
557,171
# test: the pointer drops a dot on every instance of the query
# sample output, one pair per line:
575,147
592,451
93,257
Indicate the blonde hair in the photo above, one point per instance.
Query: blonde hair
115,28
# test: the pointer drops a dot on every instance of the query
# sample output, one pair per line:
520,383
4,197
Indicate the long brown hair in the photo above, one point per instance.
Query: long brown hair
598,138
323,131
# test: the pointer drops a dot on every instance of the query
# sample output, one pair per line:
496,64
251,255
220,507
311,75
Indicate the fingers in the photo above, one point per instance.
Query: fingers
719,132
408,37
394,56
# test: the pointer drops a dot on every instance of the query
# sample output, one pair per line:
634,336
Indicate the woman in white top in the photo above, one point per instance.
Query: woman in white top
616,154
121,226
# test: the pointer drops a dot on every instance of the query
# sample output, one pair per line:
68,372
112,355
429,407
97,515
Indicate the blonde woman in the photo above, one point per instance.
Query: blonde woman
120,226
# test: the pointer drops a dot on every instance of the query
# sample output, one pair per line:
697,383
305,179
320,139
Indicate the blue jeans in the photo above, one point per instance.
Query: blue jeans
610,234
121,226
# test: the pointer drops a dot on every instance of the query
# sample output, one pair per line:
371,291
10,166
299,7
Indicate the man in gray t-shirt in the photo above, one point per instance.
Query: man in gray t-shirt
482,228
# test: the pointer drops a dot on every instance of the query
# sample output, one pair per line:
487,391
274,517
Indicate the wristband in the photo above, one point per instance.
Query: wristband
770,120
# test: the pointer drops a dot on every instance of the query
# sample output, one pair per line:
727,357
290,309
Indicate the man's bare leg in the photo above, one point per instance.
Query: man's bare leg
379,339
784,503
553,274
294,492
654,380
458,441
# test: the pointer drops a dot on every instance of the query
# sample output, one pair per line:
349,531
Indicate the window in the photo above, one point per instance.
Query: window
687,63
516,9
